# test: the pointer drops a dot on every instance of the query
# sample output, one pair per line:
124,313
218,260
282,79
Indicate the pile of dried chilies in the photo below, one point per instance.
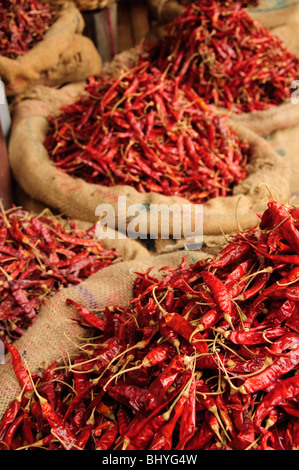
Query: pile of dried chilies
145,131
205,358
230,60
23,23
38,255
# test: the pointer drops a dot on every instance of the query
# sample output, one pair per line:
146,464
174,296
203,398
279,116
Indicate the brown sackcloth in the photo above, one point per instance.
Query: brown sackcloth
63,56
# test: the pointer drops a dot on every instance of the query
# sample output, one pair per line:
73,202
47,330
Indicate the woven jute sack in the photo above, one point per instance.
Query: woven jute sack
63,56
274,13
127,248
84,5
285,143
42,181
55,336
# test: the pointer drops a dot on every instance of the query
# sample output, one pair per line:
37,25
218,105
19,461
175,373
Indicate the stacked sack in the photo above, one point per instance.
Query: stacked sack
58,55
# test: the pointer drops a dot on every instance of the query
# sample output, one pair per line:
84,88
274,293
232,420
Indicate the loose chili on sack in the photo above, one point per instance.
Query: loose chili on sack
230,60
23,24
38,256
133,387
144,131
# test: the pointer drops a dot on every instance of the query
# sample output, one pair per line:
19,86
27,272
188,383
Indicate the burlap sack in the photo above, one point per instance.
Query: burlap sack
55,336
63,56
85,5
274,13
285,142
127,248
40,180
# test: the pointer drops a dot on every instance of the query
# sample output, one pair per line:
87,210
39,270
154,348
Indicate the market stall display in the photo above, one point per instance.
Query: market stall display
77,198
144,131
203,357
149,244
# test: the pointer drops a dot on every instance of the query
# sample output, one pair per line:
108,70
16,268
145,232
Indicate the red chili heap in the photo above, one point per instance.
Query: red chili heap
204,358
228,58
23,23
37,256
144,131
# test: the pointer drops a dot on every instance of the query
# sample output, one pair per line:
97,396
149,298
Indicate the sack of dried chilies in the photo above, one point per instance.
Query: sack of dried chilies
252,73
141,136
173,352
233,57
43,45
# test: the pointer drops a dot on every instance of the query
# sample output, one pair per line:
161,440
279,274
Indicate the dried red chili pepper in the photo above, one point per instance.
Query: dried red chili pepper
286,389
171,395
284,364
188,417
202,436
219,292
130,395
254,337
19,368
88,315
10,433
186,330
107,440
10,414
163,438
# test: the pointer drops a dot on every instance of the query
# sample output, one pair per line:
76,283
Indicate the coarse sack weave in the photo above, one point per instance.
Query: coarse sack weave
77,199
63,56
54,336
285,142
84,5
